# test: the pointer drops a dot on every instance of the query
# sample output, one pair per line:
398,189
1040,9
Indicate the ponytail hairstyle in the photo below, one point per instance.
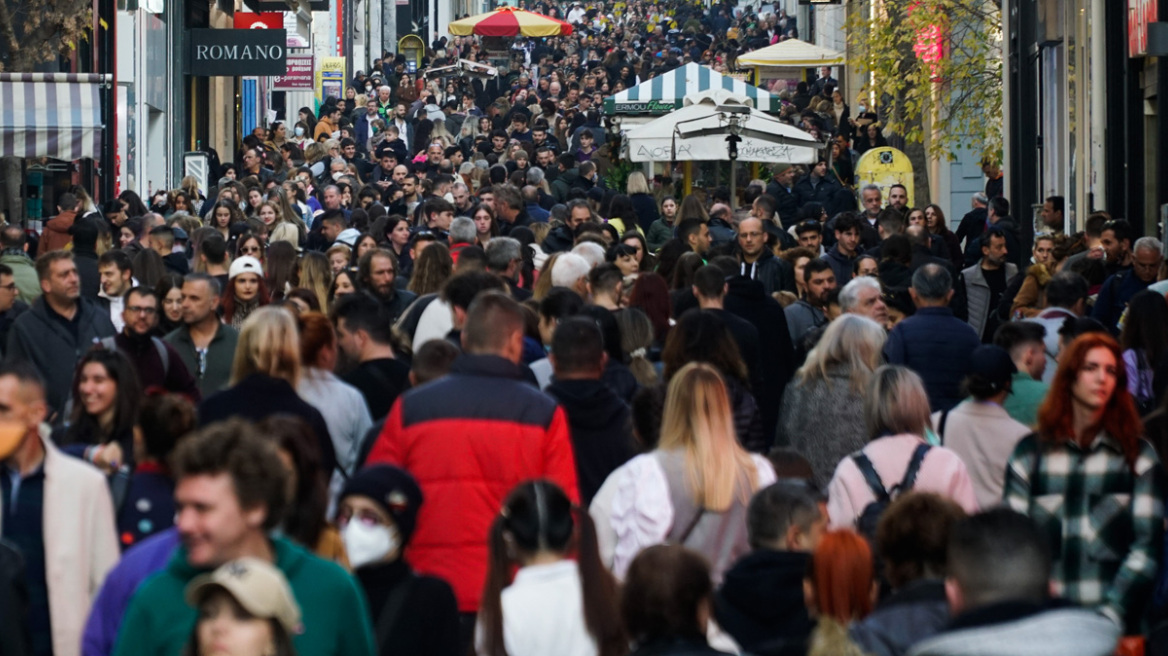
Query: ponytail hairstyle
538,516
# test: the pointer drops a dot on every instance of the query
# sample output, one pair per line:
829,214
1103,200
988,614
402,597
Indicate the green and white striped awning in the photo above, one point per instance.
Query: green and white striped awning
665,93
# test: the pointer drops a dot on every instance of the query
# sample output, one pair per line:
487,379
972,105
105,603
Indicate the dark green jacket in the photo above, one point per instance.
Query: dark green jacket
220,355
158,621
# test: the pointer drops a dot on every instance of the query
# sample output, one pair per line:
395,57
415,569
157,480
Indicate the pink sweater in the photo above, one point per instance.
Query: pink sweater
941,472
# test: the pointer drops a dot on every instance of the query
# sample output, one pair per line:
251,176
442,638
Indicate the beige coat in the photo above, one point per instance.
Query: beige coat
983,435
80,542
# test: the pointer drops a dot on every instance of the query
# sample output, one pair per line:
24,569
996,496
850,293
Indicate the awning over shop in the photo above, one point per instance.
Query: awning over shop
698,132
792,53
665,93
54,115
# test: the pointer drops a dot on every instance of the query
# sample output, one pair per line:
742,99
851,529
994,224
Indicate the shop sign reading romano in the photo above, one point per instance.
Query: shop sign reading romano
234,53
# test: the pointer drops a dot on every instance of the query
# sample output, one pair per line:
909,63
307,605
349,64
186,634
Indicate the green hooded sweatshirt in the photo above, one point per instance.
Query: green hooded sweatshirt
335,620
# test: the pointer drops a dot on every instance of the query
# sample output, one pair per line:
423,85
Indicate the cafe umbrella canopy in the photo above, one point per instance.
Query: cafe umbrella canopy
666,93
509,22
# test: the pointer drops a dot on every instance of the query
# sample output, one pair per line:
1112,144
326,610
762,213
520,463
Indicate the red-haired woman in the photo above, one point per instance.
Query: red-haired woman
1092,483
840,588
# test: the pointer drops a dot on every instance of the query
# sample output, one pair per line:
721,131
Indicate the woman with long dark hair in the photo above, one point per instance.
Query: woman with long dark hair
561,600
246,291
1145,348
651,296
133,203
1092,484
939,227
106,396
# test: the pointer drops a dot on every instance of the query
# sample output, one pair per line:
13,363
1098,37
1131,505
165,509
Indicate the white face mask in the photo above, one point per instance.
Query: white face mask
337,175
299,131
365,544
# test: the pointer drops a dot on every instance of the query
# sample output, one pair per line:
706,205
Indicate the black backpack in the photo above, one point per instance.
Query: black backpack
870,517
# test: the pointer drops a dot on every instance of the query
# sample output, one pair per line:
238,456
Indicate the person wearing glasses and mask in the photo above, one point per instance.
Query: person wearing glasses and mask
414,614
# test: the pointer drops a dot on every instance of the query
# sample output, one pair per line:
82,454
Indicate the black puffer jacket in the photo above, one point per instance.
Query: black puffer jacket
760,603
601,428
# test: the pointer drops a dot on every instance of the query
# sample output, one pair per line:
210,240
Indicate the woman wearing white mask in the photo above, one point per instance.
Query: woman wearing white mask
414,615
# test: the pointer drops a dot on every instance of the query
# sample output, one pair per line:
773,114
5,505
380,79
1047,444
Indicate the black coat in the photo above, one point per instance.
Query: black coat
426,622
747,299
86,261
969,231
760,603
258,397
14,638
601,429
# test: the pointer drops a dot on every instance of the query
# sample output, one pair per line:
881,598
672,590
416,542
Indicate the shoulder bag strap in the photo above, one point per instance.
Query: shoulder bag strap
914,466
870,476
163,354
941,426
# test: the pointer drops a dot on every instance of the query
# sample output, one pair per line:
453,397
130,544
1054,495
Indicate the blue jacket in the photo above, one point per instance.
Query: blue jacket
138,564
937,346
1116,291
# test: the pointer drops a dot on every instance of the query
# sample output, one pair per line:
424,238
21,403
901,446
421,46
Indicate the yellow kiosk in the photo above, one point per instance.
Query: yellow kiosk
885,167
414,48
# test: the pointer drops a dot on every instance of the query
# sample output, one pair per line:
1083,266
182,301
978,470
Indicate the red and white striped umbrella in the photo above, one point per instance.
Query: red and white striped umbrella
509,21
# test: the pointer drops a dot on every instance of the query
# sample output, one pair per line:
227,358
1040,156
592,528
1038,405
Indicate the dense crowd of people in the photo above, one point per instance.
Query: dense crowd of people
424,375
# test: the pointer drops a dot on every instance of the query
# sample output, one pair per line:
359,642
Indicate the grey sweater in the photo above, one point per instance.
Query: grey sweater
823,420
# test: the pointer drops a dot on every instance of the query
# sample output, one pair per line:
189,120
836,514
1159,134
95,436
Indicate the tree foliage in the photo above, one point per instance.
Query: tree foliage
35,32
935,68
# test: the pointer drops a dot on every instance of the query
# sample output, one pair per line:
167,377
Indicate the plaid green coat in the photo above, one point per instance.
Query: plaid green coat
1104,519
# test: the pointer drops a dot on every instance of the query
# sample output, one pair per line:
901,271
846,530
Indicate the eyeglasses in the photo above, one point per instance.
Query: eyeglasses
250,249
10,286
147,311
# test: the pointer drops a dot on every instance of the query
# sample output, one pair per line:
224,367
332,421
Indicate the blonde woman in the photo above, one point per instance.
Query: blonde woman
441,135
831,384
645,205
692,490
190,184
314,273
264,377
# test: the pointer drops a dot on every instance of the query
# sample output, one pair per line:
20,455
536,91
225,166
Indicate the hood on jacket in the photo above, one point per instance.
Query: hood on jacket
590,403
1052,633
761,598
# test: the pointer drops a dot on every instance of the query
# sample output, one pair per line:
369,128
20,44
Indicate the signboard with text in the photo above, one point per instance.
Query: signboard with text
330,78
234,53
300,75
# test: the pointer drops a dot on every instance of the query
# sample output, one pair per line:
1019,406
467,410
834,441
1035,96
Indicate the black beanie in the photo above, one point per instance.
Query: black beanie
394,489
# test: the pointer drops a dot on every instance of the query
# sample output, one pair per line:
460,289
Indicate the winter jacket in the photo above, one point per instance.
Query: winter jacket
659,233
80,547
427,619
913,613
177,263
941,472
142,561
1016,629
969,231
600,425
14,637
775,274
86,261
469,439
822,192
336,621
23,274
1113,297
983,435
787,207
801,318
172,375
43,340
841,264
936,345
977,295
747,299
258,397
760,603
56,235
721,232
801,421
216,373
646,207
559,239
